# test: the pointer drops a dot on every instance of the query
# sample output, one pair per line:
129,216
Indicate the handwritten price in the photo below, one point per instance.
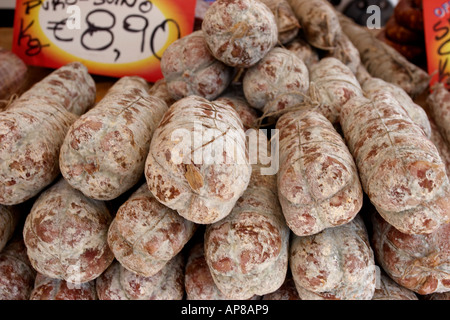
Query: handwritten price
110,37
100,27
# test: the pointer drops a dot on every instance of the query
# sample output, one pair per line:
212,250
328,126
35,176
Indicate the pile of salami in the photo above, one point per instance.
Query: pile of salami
281,157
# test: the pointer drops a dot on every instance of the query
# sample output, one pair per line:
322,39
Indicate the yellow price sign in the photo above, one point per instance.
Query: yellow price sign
111,37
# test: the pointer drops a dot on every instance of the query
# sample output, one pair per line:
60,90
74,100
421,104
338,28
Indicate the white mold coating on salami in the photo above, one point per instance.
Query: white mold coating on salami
128,84
239,32
247,114
70,86
118,283
31,136
319,22
247,251
420,263
439,104
304,51
376,87
362,74
399,167
318,183
334,84
46,288
390,290
382,61
287,291
190,69
335,264
198,282
66,235
13,73
346,52
9,217
279,81
33,128
441,145
16,273
198,163
159,90
145,234
287,23
104,151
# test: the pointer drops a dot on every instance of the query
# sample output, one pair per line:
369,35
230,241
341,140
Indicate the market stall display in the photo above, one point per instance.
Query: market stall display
122,189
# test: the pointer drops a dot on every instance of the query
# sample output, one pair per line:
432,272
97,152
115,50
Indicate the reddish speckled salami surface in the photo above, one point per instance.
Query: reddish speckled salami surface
16,273
247,251
190,69
287,23
319,22
247,114
304,51
346,52
420,263
390,290
159,90
399,167
362,74
384,62
46,288
104,151
66,235
13,75
439,103
239,32
9,216
441,145
375,88
70,86
117,283
128,84
279,81
318,184
33,128
334,84
31,135
199,283
287,291
145,234
335,264
190,168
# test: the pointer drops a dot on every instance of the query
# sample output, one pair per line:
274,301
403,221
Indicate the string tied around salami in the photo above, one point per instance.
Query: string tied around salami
283,27
5,103
433,260
311,102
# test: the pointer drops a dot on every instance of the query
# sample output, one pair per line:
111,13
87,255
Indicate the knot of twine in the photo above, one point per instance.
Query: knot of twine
311,102
4,104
